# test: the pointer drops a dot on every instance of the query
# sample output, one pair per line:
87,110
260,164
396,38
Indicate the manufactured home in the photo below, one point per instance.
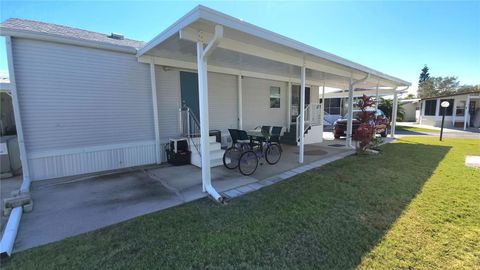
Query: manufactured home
89,102
463,110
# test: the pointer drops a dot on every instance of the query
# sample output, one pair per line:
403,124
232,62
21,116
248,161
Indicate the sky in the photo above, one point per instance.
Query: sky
395,37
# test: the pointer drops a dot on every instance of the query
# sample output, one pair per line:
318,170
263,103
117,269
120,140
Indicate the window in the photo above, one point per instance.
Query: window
430,107
274,97
449,108
332,105
460,108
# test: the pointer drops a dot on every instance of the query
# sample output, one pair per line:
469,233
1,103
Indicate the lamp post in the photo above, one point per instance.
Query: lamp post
444,105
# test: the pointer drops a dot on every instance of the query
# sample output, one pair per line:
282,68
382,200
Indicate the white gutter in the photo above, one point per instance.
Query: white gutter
10,233
202,56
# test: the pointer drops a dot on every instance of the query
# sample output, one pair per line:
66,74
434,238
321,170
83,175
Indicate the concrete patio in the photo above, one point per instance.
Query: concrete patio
72,206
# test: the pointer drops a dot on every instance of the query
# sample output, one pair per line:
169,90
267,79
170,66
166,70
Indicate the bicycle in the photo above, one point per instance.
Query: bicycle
240,143
248,161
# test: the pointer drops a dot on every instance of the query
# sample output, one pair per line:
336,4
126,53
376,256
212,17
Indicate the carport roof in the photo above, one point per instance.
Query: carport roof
248,47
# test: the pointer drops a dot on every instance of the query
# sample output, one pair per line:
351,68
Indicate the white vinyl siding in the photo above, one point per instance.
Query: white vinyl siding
223,101
168,101
73,96
256,103
79,99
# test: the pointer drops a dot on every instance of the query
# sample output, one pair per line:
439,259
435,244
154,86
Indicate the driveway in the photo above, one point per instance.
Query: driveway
71,206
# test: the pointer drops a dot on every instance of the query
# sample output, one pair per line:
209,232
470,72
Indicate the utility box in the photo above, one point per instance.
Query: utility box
177,152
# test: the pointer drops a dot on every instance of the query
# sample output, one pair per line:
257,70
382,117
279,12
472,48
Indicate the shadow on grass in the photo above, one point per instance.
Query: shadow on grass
327,218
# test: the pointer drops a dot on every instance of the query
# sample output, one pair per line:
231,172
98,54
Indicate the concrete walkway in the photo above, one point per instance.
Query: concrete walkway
447,132
72,206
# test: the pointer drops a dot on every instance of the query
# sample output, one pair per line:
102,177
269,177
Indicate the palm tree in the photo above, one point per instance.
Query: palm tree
386,105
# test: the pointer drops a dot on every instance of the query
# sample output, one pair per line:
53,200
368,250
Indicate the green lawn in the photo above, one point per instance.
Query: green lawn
416,129
415,206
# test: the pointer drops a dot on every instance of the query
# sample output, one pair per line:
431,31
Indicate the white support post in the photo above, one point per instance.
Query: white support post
422,112
302,116
155,111
454,112
437,108
289,105
350,116
25,187
394,114
466,114
376,98
204,121
322,109
240,102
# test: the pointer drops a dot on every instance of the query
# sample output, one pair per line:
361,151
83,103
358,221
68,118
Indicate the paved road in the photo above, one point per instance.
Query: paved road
450,134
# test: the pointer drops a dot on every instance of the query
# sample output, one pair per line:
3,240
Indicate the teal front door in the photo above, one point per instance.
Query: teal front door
189,91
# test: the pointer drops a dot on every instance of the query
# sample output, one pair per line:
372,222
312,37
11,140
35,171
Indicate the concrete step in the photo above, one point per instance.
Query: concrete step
216,158
211,139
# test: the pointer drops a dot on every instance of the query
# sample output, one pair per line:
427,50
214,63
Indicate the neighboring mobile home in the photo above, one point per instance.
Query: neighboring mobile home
89,102
463,111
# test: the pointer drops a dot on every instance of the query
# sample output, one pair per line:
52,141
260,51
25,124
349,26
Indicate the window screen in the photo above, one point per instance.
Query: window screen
430,107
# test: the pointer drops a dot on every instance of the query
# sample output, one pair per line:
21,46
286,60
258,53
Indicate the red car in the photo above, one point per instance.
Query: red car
381,124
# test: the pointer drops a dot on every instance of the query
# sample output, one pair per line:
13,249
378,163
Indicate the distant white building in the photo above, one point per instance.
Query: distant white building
463,112
411,109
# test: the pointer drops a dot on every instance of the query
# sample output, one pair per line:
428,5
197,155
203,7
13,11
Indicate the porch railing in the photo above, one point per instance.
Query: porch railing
313,117
189,127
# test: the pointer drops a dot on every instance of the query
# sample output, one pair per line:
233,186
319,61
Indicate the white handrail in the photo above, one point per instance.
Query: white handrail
313,116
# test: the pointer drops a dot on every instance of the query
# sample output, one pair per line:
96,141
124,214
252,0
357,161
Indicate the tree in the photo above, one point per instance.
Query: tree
386,105
410,96
445,85
426,89
468,88
425,84
424,75
366,129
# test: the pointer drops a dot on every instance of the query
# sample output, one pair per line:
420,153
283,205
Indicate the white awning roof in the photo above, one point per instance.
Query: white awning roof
248,50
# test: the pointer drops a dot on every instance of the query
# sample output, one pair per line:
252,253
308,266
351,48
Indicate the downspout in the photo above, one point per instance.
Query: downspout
202,56
350,109
11,229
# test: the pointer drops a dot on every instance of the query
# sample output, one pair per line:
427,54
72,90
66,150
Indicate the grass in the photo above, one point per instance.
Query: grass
415,206
416,129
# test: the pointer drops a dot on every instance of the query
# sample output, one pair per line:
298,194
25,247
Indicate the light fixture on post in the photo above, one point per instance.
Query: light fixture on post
444,106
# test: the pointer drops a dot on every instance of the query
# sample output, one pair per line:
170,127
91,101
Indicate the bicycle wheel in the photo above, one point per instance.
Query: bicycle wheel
231,157
273,154
248,163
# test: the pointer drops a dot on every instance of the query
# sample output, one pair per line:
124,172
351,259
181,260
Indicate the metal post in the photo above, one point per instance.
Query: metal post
394,114
240,102
350,115
302,116
204,121
443,120
376,99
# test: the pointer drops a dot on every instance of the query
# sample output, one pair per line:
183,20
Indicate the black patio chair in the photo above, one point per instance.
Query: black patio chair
266,129
275,136
239,137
